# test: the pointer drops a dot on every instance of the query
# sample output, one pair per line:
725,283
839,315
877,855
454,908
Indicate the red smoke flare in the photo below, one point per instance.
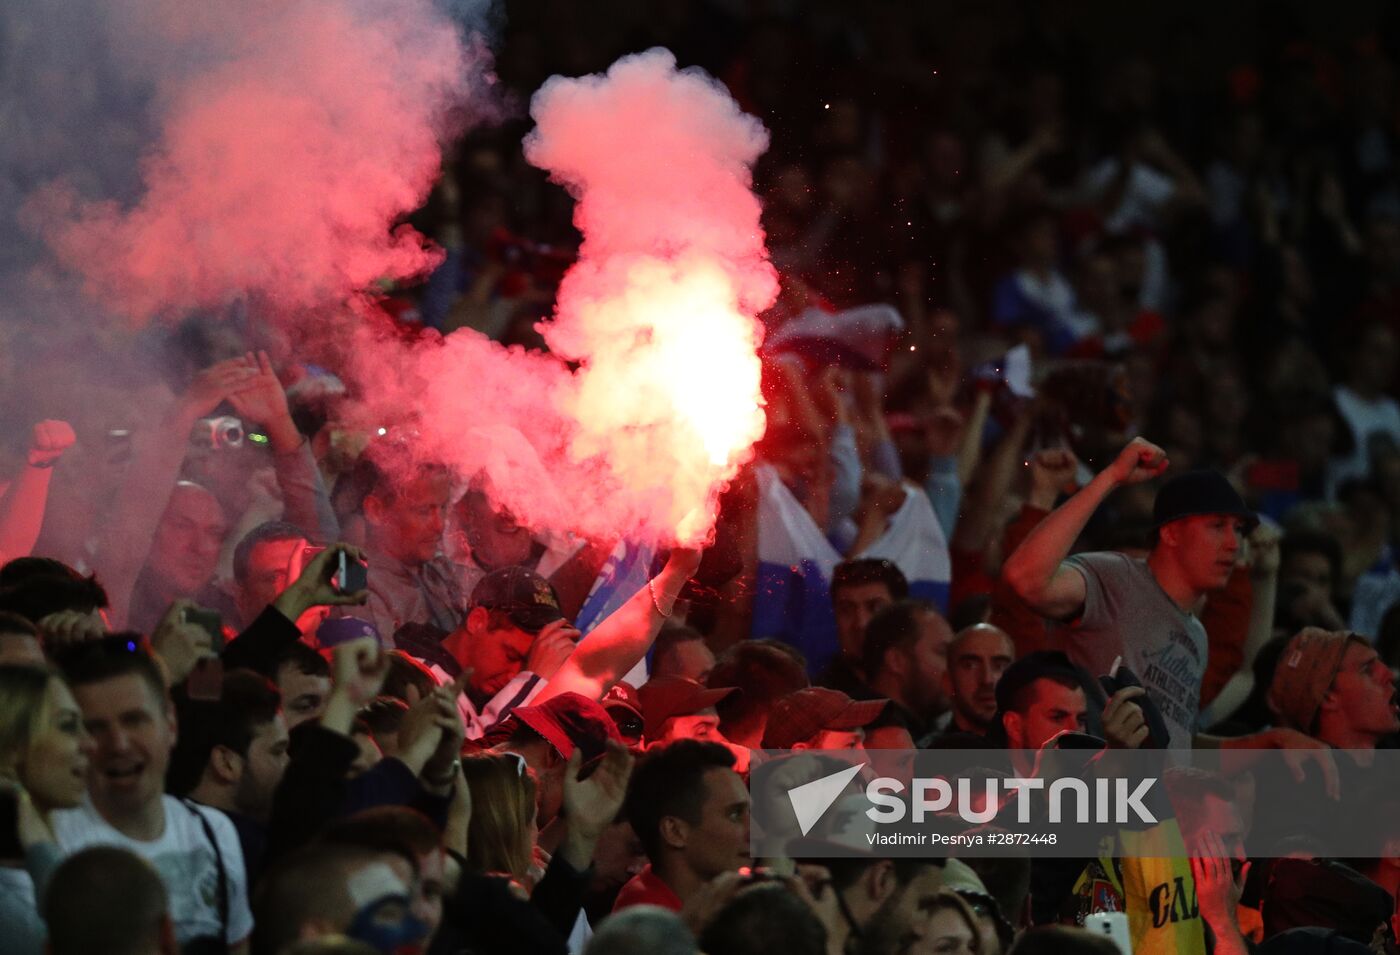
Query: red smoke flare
658,313
659,308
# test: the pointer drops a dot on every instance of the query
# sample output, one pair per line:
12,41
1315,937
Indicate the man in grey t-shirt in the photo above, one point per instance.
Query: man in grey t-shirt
1165,645
1141,610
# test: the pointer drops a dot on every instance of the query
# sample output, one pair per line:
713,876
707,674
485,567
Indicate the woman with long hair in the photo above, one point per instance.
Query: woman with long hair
501,834
496,907
44,753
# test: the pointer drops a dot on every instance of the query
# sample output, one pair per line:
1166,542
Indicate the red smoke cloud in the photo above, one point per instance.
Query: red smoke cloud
291,132
658,313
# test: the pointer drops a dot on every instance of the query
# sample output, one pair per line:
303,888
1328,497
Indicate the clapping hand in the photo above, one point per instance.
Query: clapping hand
590,805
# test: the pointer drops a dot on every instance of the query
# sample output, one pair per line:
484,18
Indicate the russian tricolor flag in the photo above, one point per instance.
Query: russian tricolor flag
795,561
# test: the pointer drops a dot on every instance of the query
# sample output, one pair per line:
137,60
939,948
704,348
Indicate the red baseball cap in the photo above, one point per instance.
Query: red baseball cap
669,696
625,708
799,716
571,720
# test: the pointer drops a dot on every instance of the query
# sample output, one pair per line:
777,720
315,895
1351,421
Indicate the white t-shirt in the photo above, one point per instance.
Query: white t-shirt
185,860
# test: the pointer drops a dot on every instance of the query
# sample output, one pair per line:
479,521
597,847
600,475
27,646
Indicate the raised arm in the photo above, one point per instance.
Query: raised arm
616,645
155,466
304,498
1036,570
22,505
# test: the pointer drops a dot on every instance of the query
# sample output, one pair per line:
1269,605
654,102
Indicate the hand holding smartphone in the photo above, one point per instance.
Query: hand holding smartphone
352,574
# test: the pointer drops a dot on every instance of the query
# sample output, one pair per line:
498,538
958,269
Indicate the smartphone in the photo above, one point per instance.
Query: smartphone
1114,925
1079,741
211,622
353,575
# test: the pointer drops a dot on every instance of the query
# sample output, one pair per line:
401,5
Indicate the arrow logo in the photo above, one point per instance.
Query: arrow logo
811,800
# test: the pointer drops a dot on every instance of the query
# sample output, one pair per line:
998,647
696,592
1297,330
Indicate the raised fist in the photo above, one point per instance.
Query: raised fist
1140,461
51,439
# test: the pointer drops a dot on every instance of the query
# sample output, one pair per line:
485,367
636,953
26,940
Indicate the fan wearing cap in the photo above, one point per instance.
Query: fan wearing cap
546,735
1334,686
520,648
621,640
676,708
625,707
818,718
512,640
1142,611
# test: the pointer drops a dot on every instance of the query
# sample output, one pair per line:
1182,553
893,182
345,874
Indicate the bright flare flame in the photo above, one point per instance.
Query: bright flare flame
671,391
659,310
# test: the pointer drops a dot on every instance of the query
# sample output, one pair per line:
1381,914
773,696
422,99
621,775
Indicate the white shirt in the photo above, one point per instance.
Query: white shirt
185,859
522,688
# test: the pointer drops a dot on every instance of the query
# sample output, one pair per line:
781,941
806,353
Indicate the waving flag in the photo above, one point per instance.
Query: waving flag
795,561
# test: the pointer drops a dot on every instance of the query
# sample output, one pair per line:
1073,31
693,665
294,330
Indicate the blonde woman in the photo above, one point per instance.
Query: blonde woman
43,766
490,910
502,832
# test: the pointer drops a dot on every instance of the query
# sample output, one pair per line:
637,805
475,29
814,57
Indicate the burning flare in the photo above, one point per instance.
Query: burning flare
659,310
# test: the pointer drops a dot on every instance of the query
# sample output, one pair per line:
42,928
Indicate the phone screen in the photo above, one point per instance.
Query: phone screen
353,575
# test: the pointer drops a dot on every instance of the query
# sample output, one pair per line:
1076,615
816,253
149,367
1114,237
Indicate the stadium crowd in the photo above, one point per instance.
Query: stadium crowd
1121,460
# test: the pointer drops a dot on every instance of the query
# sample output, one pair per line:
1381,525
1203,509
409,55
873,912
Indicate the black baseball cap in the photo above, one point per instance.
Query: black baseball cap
523,595
1197,493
